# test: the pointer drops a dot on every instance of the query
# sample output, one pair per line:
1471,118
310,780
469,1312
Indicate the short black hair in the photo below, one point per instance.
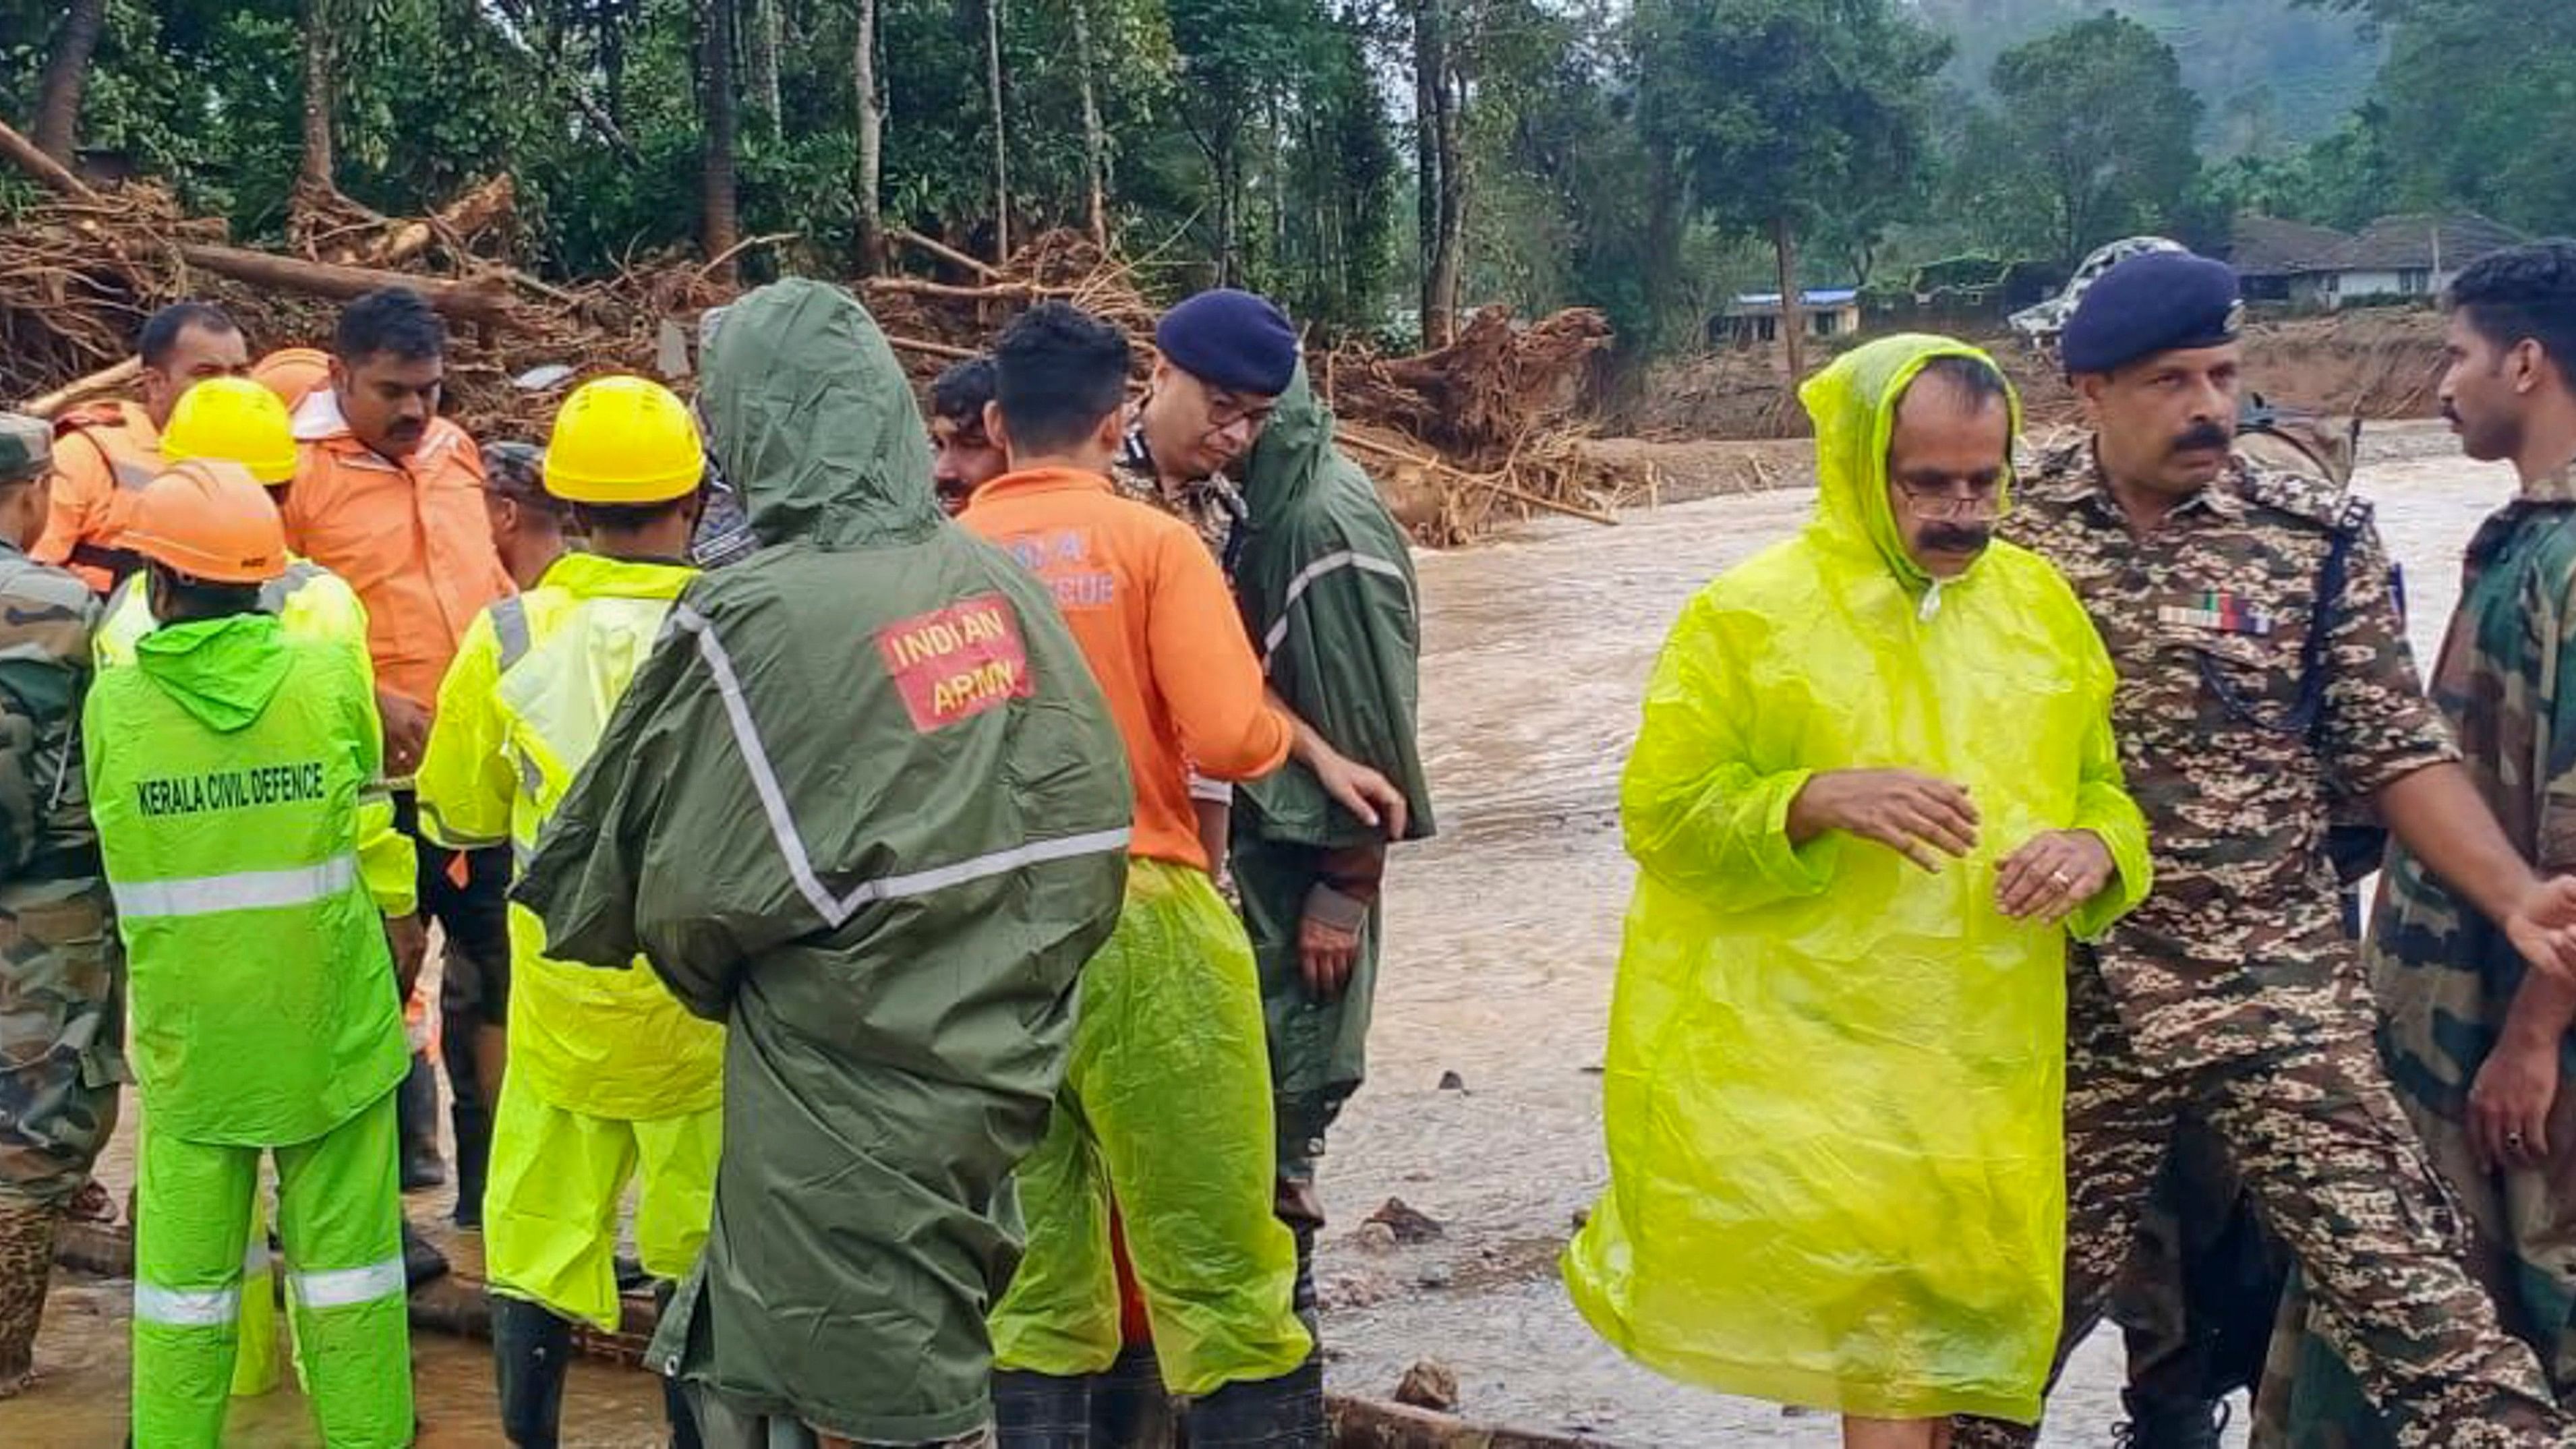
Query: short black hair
627,517
161,330
195,598
2524,293
394,320
1058,372
959,394
1975,379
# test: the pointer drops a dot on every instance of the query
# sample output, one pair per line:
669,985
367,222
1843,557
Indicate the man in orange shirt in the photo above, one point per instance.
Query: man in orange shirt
1166,1105
105,452
389,496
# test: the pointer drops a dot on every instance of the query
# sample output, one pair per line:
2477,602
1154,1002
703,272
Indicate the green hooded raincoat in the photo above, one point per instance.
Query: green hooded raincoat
865,805
1325,580
1834,1080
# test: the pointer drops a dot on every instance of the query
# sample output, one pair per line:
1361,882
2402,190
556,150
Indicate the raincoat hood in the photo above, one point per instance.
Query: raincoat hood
1294,455
1853,404
813,424
222,671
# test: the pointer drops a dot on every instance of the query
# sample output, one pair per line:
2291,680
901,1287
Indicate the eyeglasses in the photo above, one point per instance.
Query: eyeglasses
1982,501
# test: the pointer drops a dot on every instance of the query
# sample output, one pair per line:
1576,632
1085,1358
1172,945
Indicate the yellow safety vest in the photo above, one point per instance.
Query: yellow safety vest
520,712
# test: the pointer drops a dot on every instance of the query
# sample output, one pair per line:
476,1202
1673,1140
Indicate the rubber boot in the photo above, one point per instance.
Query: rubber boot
27,1233
2156,1422
531,1352
473,1161
1129,1407
422,1261
1040,1411
1282,1413
416,1109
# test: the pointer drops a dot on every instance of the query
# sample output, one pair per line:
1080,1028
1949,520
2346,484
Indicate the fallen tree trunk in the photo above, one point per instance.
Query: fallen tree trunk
945,253
105,380
997,292
478,299
31,159
1376,1424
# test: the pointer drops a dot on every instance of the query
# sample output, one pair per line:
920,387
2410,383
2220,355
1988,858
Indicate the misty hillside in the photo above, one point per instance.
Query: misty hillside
2269,71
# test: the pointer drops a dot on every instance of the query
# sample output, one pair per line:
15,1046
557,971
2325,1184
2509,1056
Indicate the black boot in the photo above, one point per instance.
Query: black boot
1040,1411
422,1261
1282,1413
1129,1407
531,1351
473,1161
416,1110
2156,1422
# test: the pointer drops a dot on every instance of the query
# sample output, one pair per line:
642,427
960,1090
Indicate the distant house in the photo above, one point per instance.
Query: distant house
2414,256
2396,256
1755,316
2285,261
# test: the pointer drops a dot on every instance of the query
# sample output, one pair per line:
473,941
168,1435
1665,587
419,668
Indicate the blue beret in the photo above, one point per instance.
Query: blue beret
2154,302
1232,340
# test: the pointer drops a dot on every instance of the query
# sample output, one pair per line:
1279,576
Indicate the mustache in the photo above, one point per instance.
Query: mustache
2204,437
1957,537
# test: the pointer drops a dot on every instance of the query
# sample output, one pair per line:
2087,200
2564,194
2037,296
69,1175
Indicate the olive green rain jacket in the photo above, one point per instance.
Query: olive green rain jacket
864,805
1325,579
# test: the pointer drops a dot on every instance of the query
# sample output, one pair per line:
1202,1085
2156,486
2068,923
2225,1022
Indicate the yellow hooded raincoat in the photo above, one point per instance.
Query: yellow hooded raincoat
1834,1081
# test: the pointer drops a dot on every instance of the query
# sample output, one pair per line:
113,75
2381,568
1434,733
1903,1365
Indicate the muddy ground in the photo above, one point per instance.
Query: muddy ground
1503,933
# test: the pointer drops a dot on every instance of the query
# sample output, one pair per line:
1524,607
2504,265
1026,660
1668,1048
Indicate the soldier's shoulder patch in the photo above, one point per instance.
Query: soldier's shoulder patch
2311,500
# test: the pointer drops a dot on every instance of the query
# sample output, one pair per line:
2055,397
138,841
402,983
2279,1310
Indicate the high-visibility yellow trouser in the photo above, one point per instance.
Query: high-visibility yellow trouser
1165,1110
339,1214
550,1211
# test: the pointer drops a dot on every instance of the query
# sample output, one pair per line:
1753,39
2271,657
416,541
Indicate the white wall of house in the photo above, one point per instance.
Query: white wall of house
2415,282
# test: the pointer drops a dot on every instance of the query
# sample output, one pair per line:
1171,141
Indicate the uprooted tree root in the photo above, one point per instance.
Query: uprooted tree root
1462,439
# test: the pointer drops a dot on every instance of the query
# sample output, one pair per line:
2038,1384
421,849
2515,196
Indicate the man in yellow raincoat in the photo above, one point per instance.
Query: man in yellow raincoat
609,1074
1875,788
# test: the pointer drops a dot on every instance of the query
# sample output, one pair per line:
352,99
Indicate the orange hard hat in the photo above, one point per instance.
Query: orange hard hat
293,373
210,520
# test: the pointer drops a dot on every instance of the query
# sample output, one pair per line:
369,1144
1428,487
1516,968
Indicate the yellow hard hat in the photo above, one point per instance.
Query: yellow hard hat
209,520
624,440
233,420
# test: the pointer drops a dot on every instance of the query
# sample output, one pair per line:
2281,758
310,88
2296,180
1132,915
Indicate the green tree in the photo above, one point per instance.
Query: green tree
1777,113
2093,141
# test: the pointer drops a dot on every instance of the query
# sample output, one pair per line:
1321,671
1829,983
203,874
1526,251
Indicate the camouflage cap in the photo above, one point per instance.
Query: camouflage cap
516,470
26,447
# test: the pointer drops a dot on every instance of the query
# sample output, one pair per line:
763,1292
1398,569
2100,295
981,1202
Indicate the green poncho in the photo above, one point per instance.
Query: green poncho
865,805
1326,584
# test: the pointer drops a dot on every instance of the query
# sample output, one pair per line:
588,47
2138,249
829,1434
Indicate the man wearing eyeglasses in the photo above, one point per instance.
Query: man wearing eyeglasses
1874,793
2263,669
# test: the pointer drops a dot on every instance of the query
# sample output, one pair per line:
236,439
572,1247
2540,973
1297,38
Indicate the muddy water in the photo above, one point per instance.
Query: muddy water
1503,936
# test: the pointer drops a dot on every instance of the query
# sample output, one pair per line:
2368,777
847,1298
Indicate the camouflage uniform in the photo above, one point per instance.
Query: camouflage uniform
2196,1303
1212,506
61,998
2444,976
2233,991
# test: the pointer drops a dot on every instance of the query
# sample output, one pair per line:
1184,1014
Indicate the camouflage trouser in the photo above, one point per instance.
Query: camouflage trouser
2196,1301
62,1033
2337,1173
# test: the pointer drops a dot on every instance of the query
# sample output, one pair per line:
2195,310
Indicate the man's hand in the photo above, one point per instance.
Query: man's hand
1921,816
409,938
1328,940
2053,874
406,731
2510,1101
1362,791
2542,926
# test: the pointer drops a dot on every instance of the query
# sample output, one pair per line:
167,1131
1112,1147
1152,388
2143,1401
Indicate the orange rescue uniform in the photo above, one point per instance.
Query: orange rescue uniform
103,455
411,537
1156,621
